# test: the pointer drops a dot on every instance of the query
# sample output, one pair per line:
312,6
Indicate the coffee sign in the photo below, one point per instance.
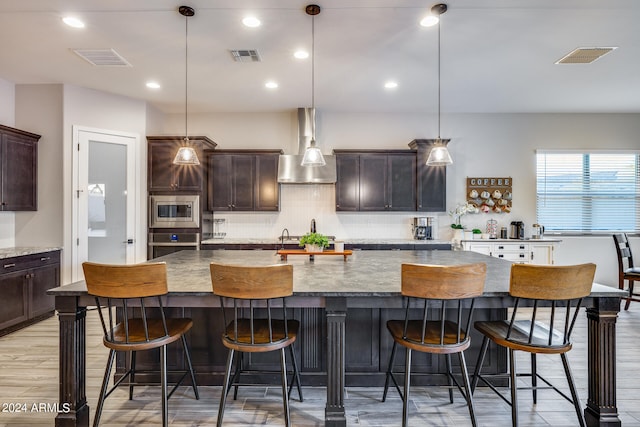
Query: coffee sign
490,194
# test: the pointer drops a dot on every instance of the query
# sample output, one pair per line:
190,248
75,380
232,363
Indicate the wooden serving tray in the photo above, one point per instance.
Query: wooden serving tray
286,252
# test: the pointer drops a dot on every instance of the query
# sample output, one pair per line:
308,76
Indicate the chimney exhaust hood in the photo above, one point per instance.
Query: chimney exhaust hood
290,170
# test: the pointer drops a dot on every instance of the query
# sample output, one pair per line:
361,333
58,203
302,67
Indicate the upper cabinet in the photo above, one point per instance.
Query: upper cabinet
243,180
432,180
376,180
19,170
163,175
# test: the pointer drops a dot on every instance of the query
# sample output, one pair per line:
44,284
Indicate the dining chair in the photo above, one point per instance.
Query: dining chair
626,269
536,330
129,301
253,300
439,306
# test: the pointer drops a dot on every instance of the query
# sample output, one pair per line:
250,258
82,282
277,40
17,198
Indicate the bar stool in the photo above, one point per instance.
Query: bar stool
444,289
255,295
121,291
626,270
534,331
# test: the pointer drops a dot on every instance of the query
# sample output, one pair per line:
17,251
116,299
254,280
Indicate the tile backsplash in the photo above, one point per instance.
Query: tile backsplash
300,203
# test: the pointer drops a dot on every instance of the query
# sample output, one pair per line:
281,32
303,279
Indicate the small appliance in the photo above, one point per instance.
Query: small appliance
538,231
174,211
516,230
423,228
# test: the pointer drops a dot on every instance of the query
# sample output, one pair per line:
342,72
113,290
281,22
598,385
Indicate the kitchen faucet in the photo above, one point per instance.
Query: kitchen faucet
313,225
282,237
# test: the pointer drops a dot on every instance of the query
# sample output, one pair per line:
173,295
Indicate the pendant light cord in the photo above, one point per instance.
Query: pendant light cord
439,78
313,77
186,77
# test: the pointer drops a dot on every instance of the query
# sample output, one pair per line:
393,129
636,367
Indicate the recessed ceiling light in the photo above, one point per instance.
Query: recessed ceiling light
390,85
73,22
271,85
429,21
301,54
251,21
153,85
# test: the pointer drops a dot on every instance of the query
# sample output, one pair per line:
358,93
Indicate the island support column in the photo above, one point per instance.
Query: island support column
601,407
73,410
336,312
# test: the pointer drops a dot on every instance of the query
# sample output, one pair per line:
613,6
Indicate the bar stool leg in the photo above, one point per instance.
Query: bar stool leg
389,373
105,386
514,387
163,384
193,376
407,384
449,377
467,388
296,375
534,378
132,375
572,387
285,395
225,388
481,356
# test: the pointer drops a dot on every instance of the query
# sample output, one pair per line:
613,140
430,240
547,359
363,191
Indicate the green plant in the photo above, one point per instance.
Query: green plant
476,231
314,239
457,226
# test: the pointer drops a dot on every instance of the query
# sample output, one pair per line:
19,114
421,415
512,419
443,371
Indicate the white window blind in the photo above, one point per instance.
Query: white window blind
588,192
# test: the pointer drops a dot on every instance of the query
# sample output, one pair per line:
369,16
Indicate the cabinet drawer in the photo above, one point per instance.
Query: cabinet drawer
519,257
26,262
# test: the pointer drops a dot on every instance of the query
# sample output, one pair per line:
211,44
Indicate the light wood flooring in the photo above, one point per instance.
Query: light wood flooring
29,376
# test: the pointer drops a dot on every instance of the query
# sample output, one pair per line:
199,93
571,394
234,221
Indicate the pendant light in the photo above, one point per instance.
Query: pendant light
312,155
439,155
186,154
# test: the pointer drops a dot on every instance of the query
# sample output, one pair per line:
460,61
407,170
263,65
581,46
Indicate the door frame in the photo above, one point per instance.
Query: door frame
135,226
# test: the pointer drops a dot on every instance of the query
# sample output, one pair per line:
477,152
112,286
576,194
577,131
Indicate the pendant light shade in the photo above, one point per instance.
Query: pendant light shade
186,154
312,154
439,155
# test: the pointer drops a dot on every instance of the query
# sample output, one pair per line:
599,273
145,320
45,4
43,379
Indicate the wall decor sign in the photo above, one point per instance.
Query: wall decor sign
490,194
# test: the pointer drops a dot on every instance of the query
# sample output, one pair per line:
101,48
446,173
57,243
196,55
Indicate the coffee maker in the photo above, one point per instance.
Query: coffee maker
517,230
423,228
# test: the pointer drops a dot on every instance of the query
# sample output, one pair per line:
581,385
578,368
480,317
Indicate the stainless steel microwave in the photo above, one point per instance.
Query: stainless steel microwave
181,211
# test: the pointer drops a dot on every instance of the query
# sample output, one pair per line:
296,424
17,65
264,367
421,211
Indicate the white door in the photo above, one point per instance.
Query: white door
105,198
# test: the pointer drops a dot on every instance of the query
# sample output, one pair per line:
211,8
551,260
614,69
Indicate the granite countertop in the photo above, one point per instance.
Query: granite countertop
364,274
276,241
527,240
24,250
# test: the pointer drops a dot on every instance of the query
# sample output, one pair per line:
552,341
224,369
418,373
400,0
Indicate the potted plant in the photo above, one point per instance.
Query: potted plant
314,242
477,233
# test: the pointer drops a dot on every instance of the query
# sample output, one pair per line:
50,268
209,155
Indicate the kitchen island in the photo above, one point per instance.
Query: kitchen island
343,307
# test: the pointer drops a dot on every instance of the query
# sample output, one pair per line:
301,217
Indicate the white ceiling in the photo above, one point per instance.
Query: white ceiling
497,55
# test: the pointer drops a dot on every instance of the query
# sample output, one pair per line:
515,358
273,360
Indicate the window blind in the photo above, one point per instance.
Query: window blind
588,192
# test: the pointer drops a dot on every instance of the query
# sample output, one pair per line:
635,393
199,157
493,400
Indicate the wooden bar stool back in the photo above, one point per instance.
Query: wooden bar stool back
536,330
253,301
129,303
626,269
444,296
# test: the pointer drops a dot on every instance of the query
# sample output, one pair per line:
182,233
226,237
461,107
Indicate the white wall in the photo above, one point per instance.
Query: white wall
482,145
39,110
99,110
7,118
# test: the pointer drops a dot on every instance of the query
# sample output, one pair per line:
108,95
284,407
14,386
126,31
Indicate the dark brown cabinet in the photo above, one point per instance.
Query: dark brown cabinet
432,180
18,170
24,282
376,180
243,180
163,175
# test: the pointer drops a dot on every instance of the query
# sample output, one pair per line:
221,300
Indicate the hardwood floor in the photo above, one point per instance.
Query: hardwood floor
29,390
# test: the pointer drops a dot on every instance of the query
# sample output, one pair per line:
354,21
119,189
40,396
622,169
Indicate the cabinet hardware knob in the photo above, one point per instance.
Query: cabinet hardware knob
45,258
9,265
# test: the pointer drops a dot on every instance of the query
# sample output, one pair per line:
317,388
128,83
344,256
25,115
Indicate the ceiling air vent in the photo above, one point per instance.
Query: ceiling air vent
245,55
102,57
585,55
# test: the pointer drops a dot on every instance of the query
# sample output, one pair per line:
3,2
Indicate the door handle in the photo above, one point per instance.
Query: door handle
129,241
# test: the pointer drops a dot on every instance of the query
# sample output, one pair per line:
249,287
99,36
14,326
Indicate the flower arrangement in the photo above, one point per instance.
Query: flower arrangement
461,210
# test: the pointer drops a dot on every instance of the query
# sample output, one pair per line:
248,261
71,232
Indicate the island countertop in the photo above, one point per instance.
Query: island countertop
365,273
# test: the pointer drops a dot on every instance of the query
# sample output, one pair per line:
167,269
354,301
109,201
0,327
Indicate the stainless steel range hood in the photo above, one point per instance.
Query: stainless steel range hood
290,171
